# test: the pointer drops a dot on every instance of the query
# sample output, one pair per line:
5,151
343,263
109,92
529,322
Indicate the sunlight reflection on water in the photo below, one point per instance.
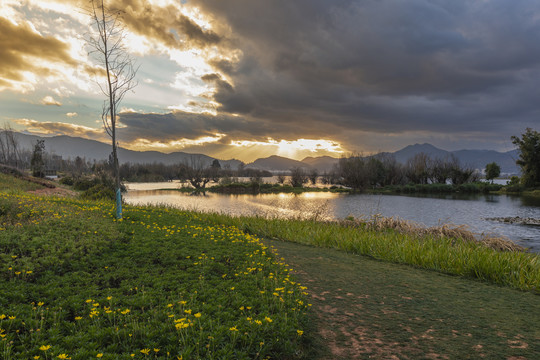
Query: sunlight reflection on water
471,211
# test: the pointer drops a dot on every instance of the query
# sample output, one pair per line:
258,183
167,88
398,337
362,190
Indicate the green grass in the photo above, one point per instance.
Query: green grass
532,193
159,284
369,309
469,188
10,183
448,255
166,283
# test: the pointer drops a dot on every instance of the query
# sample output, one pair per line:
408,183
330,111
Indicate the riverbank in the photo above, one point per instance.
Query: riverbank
254,188
165,277
448,253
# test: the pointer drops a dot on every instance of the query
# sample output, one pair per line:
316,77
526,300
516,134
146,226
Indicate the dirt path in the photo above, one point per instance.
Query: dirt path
367,309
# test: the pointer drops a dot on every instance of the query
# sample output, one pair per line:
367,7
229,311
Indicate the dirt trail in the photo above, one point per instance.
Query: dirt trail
367,309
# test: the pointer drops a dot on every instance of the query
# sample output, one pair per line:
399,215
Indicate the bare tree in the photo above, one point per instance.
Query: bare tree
108,49
313,175
417,168
9,147
298,177
198,173
352,171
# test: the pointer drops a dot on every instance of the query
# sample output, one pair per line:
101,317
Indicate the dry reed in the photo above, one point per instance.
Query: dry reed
380,223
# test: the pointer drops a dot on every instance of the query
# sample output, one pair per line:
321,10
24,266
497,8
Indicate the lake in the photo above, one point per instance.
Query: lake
469,210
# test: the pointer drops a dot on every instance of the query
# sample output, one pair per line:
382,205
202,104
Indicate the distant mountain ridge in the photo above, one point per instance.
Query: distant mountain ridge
71,147
276,163
477,159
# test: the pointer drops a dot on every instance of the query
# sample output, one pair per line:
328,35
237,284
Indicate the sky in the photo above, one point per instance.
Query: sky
247,79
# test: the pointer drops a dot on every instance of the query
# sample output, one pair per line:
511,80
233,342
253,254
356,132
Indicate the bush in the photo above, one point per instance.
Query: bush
97,187
84,184
67,180
99,191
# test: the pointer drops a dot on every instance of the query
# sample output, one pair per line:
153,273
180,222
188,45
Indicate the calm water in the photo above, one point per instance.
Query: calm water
471,211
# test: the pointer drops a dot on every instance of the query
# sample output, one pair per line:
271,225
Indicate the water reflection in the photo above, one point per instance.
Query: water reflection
457,209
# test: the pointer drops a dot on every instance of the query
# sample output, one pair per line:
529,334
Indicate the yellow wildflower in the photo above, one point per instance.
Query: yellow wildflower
145,351
44,347
299,332
99,355
63,356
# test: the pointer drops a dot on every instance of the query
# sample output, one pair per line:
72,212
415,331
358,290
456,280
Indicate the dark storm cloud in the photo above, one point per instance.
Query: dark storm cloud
184,125
384,66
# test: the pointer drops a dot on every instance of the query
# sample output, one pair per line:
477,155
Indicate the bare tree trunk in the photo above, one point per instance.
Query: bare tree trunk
120,77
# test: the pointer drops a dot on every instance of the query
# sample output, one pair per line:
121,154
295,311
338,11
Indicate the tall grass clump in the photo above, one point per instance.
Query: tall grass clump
450,250
162,283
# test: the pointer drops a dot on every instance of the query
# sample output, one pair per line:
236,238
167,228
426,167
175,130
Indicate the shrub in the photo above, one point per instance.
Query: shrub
99,191
67,180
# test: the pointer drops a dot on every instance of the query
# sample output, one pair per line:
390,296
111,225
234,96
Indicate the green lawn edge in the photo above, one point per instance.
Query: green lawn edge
454,256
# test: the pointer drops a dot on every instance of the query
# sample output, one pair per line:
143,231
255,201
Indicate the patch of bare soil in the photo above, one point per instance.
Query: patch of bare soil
57,191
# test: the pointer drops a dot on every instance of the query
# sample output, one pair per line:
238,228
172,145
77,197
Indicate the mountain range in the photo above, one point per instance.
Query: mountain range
71,147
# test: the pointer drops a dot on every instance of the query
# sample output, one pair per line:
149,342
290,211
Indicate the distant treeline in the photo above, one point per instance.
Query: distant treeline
361,173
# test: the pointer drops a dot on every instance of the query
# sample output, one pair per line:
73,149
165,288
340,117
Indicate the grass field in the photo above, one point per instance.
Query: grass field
164,283
160,284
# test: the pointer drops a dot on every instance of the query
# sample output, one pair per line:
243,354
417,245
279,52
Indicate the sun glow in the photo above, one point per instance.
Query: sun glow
296,149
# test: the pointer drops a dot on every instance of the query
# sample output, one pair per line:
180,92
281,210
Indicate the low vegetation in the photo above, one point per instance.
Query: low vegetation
255,187
449,250
162,283
470,188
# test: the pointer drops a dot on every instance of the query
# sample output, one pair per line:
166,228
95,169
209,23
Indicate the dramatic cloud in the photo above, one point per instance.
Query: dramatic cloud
49,100
58,128
384,66
348,75
164,24
23,51
180,124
